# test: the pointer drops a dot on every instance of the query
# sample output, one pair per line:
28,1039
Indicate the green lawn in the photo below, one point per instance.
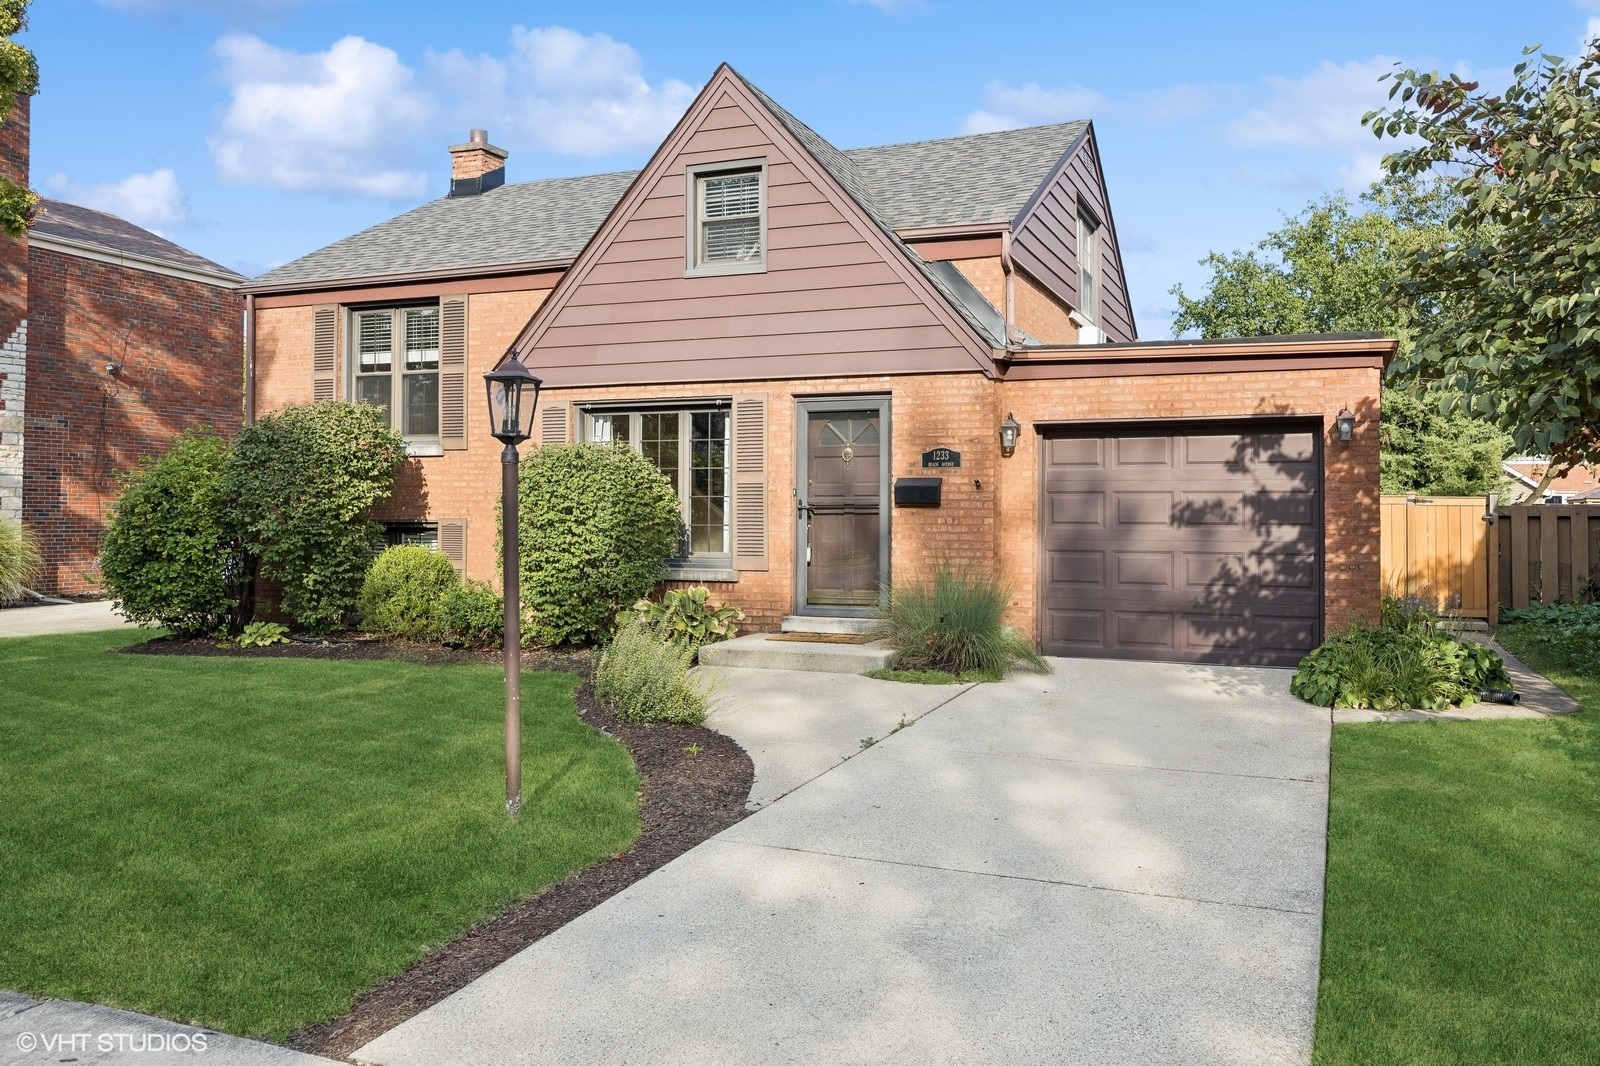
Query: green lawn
246,843
1464,885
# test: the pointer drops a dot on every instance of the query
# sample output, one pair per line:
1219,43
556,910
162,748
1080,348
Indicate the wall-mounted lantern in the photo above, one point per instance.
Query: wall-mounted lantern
1008,436
1345,422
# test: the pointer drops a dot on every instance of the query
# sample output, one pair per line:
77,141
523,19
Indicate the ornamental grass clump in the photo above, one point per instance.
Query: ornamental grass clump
19,559
954,621
405,590
644,674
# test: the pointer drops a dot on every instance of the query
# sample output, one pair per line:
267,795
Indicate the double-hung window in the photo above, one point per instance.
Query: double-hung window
395,366
690,447
1088,265
728,218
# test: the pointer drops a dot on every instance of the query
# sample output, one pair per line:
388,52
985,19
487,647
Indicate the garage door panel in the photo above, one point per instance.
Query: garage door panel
1296,509
1144,509
1204,452
1148,631
1078,509
1208,570
1076,452
1211,508
1202,545
1077,568
1144,569
1143,452
1289,449
1079,630
1202,635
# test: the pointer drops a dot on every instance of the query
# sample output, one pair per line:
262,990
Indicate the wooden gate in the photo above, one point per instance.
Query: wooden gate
1548,553
1440,548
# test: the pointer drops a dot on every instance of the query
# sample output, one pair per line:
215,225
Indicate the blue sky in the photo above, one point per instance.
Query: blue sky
254,131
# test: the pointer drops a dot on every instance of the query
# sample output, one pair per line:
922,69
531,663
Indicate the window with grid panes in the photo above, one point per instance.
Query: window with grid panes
395,366
729,224
691,449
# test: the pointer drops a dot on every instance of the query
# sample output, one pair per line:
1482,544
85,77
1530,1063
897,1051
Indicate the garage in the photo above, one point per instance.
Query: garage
1182,541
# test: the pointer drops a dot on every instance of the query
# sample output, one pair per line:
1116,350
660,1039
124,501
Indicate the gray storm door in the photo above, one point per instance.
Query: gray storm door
841,506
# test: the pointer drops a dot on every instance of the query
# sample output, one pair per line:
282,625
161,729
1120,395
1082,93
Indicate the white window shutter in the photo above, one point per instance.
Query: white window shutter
324,351
453,372
750,481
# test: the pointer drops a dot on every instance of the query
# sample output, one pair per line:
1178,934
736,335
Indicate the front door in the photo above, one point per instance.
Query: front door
843,528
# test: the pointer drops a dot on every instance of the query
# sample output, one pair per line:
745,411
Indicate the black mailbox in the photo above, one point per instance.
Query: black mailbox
917,491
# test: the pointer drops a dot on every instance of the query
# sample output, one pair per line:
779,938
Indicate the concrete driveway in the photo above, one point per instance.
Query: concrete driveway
1117,863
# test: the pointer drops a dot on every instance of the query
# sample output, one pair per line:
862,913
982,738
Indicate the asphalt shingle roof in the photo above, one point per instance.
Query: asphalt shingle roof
986,177
112,234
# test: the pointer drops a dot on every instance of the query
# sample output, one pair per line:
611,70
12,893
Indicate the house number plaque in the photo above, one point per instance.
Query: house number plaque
936,458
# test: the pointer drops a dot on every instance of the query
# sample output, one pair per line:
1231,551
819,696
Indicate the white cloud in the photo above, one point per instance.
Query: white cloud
562,92
1009,107
154,200
1320,110
337,121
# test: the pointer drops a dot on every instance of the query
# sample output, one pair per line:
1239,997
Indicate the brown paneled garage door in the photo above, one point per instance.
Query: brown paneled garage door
1195,544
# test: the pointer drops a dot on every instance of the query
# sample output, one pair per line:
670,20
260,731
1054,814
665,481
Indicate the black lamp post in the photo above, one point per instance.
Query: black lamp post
513,396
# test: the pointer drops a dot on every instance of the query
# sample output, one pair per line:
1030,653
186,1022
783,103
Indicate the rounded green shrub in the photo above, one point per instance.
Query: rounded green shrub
172,555
19,559
598,524
404,591
302,481
473,614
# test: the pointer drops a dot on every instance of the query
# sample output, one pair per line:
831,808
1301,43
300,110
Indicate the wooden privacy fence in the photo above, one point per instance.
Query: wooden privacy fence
1547,553
1440,548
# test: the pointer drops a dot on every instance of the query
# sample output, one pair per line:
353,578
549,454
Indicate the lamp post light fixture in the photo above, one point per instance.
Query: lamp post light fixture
513,397
1345,422
1008,436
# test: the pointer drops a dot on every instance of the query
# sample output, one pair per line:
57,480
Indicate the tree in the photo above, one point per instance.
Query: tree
19,75
1516,273
1333,268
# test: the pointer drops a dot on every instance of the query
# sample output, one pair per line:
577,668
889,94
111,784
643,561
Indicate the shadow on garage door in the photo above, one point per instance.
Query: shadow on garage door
1184,542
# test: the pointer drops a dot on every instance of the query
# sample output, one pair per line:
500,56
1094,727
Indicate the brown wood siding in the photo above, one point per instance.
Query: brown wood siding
832,300
1046,243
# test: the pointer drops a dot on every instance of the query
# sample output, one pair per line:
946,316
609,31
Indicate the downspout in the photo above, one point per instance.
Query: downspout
250,359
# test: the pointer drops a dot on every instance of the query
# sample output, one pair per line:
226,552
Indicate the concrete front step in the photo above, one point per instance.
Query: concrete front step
758,651
805,623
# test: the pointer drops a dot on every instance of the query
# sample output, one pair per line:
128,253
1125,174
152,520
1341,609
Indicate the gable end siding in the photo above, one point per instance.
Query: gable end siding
833,300
1046,242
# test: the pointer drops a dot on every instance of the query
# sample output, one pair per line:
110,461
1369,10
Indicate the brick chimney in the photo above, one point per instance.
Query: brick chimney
476,166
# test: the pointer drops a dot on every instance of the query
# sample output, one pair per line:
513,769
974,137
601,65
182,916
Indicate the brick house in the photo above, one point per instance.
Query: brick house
820,349
85,292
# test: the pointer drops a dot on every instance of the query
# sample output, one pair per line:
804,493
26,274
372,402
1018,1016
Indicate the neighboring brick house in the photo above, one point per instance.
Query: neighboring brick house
802,338
86,292
1580,485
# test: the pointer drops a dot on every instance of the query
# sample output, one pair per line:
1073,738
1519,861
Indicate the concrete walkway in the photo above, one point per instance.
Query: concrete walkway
47,619
35,1032
1116,863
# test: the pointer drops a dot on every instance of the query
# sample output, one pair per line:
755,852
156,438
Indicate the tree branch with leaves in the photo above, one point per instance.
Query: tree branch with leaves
1518,264
19,75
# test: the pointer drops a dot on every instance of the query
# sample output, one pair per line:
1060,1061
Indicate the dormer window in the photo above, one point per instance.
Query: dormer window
728,218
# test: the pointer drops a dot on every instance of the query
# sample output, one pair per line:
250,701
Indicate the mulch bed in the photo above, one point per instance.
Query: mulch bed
686,799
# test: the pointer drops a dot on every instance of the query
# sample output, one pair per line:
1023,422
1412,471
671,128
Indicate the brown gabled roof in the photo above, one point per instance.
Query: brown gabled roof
1581,482
985,178
108,233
